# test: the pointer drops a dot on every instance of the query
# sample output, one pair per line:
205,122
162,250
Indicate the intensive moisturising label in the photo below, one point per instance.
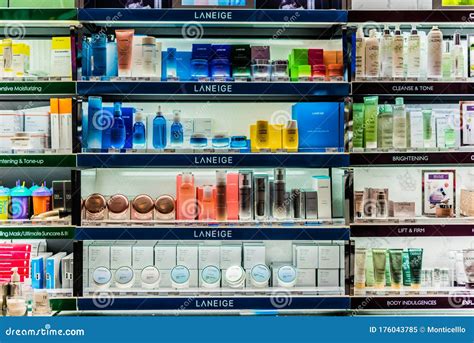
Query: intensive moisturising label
28,88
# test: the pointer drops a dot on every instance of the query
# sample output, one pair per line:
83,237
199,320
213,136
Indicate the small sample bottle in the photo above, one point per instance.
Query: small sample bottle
279,190
177,133
245,195
159,130
221,195
117,132
139,132
290,136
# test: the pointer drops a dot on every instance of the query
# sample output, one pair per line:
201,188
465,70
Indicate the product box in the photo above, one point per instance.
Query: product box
328,278
322,185
328,256
467,202
254,253
203,125
305,256
231,255
467,120
401,209
120,256
36,121
165,256
183,63
11,121
193,278
143,255
165,278
53,270
209,255
320,126
67,271
416,129
38,269
99,256
187,255
306,278
310,204
438,188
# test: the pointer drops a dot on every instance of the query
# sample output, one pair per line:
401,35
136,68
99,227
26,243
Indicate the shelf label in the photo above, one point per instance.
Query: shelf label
412,88
37,161
213,15
212,233
410,158
212,89
411,230
456,300
213,160
214,303
29,88
36,233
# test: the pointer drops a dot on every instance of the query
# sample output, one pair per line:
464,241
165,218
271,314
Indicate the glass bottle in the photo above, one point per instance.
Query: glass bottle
448,62
117,132
458,57
159,130
385,127
139,132
177,134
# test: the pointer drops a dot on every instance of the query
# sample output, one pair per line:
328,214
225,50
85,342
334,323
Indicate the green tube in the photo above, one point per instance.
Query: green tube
358,125
388,277
416,264
396,257
371,112
380,261
427,128
406,269
369,270
360,268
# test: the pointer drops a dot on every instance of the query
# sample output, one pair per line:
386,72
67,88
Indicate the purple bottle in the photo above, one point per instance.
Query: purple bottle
20,198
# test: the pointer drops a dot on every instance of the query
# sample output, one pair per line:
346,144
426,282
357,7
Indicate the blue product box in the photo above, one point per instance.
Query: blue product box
37,272
183,64
320,126
53,270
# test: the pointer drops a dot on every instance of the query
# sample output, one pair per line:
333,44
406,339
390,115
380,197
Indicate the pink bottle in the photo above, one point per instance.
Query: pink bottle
186,197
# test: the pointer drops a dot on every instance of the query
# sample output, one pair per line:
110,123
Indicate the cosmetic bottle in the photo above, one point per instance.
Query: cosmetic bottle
398,55
399,125
246,195
360,54
220,140
435,54
142,208
279,189
427,129
262,135
95,207
261,197
448,62
99,54
125,51
171,65
41,200
297,202
41,306
261,70
413,58
238,142
290,136
186,197
86,70
370,121
200,62
112,60
118,207
20,202
94,123
139,131
117,132
206,205
165,208
372,55
221,197
148,56
458,57
198,140
386,54
177,135
280,70
241,62
385,127
107,121
159,130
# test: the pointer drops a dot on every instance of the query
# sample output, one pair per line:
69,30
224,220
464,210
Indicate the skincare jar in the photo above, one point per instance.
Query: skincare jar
180,277
238,142
142,208
95,207
235,277
150,277
280,70
444,211
16,306
468,258
318,72
198,140
261,70
260,276
220,140
101,277
336,72
210,277
124,277
118,206
286,276
41,305
165,208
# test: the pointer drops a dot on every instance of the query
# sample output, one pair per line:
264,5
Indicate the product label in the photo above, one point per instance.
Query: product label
38,161
215,303
212,89
37,233
213,15
215,233
38,88
213,160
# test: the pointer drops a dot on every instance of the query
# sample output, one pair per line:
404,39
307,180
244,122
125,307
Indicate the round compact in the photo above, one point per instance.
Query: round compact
235,277
95,206
124,277
101,277
118,207
150,277
286,276
165,208
180,277
260,276
143,204
211,277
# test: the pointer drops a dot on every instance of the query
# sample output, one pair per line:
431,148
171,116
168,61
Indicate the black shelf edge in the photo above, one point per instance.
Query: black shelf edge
37,160
459,300
212,233
415,88
323,160
412,230
368,159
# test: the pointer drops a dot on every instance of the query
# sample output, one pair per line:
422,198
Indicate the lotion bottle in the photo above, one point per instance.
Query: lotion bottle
435,54
413,58
458,57
386,54
398,55
360,54
372,56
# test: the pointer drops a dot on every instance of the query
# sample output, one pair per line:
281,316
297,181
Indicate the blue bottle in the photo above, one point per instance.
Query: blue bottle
117,132
112,59
139,132
171,65
99,54
94,123
86,59
159,130
177,134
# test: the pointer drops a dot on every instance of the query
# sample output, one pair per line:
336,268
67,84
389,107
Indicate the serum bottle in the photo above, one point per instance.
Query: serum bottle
117,132
221,195
159,130
139,132
177,134
261,197
245,195
458,57
279,190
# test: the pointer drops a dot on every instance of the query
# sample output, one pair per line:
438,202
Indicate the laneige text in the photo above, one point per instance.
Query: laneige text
212,89
215,303
213,15
213,160
213,234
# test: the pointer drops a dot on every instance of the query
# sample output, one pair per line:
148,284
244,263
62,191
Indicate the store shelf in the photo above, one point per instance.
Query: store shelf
443,17
219,17
254,91
417,158
412,230
36,232
36,90
214,160
37,17
224,233
455,301
37,160
278,302
413,88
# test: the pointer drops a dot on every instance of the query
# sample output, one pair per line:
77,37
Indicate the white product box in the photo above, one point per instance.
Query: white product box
209,255
328,256
143,255
193,278
37,121
120,256
231,255
416,129
254,253
99,256
305,256
342,277
328,278
187,255
11,121
306,278
203,125
342,256
6,143
53,270
322,185
165,278
467,109
165,256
